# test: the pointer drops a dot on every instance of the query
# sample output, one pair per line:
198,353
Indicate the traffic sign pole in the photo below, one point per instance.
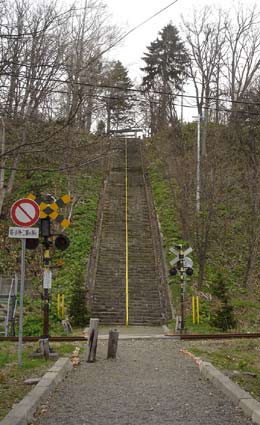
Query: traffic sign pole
20,339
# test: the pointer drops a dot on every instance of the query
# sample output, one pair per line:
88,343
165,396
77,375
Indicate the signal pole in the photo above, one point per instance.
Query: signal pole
46,299
184,266
45,233
182,276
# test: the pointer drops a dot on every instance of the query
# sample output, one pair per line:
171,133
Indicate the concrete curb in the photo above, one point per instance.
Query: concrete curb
23,412
138,337
243,399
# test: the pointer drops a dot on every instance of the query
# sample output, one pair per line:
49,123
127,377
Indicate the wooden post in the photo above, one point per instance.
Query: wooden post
92,340
45,348
112,344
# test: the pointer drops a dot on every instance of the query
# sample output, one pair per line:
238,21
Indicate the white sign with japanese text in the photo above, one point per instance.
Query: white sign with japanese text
23,232
47,279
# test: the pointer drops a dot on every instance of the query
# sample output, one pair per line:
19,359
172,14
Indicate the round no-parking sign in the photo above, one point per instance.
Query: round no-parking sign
25,212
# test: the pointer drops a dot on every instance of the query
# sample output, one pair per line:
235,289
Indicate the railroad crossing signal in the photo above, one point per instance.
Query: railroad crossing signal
187,261
183,265
50,208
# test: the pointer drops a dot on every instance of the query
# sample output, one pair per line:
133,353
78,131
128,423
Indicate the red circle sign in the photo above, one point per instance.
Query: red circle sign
25,212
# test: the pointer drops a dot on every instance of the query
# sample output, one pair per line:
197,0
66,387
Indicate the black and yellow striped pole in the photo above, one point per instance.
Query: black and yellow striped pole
45,232
182,276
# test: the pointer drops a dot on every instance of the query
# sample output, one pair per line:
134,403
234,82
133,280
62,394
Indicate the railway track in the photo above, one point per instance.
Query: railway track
188,337
219,336
36,338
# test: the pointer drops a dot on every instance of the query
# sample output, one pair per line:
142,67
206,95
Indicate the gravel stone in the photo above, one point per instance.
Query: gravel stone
151,382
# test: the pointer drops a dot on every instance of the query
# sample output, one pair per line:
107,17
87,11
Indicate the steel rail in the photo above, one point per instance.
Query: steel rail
51,339
175,336
216,336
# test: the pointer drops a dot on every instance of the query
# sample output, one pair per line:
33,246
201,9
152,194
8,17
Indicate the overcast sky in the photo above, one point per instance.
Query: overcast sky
129,13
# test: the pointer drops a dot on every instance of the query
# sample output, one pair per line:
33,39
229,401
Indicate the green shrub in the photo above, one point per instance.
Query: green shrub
78,313
223,316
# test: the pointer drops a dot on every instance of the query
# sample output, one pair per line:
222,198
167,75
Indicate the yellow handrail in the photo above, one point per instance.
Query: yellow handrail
126,236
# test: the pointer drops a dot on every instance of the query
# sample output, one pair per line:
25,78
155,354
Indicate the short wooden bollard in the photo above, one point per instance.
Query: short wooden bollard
112,344
45,348
92,340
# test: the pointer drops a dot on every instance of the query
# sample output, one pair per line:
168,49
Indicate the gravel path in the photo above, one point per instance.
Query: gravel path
151,382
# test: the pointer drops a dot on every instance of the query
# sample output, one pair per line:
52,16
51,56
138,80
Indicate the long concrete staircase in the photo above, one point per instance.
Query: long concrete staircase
107,277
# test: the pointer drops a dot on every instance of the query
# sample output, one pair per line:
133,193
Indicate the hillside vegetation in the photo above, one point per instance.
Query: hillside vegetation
69,267
224,233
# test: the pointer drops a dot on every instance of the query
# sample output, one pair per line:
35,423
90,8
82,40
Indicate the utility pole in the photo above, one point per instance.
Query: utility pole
182,102
198,180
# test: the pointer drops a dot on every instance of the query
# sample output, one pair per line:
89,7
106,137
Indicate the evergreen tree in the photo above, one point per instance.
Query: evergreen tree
118,101
166,62
223,317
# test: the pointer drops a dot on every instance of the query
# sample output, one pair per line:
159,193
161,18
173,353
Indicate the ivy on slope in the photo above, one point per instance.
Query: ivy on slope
166,211
73,273
163,198
71,277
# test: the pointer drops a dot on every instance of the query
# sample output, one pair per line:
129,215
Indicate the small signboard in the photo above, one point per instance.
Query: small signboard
23,232
25,212
47,279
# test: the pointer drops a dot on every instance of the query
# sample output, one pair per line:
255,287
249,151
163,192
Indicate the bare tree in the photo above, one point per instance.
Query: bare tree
243,54
205,36
32,61
89,34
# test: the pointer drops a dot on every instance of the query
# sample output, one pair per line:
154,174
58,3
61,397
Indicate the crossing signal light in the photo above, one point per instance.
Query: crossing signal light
32,243
62,242
189,271
173,271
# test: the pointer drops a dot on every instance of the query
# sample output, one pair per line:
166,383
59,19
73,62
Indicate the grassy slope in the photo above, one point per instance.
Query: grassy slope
238,358
246,304
87,185
169,223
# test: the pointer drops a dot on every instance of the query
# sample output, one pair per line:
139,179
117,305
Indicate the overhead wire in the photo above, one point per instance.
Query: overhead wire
121,38
35,33
140,91
129,89
117,42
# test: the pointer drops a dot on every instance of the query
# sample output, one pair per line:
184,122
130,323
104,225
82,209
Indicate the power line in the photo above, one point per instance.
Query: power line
121,38
158,101
64,168
118,40
144,22
35,33
134,90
